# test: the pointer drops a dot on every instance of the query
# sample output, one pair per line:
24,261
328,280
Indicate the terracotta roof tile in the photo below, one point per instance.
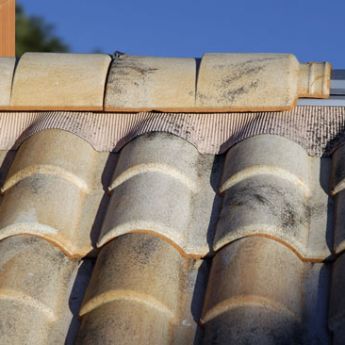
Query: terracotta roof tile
152,276
127,286
336,312
6,72
210,228
269,191
151,174
254,295
150,83
35,279
237,82
46,193
60,81
259,303
214,83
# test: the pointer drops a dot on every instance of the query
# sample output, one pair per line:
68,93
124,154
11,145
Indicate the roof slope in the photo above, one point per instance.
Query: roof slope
260,216
170,228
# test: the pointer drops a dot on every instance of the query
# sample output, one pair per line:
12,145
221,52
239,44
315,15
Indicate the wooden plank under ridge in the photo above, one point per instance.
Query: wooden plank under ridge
7,28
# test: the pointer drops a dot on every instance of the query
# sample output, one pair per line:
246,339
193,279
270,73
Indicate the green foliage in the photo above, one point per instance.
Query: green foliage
33,34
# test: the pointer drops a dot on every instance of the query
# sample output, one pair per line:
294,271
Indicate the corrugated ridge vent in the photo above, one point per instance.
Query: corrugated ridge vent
317,129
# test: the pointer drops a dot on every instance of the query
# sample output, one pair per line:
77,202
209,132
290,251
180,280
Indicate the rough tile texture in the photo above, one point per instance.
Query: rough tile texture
318,129
258,304
45,81
191,248
35,282
53,190
242,82
6,74
337,185
214,83
139,277
138,83
267,186
223,82
152,173
337,302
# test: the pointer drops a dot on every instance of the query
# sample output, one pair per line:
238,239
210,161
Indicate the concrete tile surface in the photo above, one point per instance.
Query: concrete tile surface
47,189
152,173
223,82
35,282
7,66
45,81
191,248
244,82
138,83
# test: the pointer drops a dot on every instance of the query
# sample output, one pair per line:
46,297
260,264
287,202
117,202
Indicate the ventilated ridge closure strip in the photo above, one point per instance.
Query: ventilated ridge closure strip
319,130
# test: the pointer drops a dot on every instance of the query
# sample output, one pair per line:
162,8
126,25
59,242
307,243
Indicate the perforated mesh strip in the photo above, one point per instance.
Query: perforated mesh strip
318,129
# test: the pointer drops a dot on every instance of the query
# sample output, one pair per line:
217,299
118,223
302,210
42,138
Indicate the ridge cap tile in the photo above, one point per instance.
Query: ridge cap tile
222,82
7,66
59,81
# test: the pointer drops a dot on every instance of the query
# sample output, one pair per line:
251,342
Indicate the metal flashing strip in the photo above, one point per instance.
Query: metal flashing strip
333,101
337,92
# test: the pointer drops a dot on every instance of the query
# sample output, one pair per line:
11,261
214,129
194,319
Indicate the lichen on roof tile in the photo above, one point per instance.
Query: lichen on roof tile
150,83
215,83
263,303
160,184
126,289
46,193
221,229
35,278
244,82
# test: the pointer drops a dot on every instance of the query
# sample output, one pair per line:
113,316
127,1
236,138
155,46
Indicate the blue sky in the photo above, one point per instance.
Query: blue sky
313,30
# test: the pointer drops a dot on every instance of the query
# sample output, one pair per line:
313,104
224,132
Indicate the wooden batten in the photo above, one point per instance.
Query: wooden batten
7,28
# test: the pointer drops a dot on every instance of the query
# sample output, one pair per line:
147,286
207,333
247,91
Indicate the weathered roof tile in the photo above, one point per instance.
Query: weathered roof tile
337,301
7,66
46,192
244,82
338,193
271,188
35,279
215,83
232,287
258,304
60,81
126,287
192,248
138,83
266,189
152,173
267,155
131,322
